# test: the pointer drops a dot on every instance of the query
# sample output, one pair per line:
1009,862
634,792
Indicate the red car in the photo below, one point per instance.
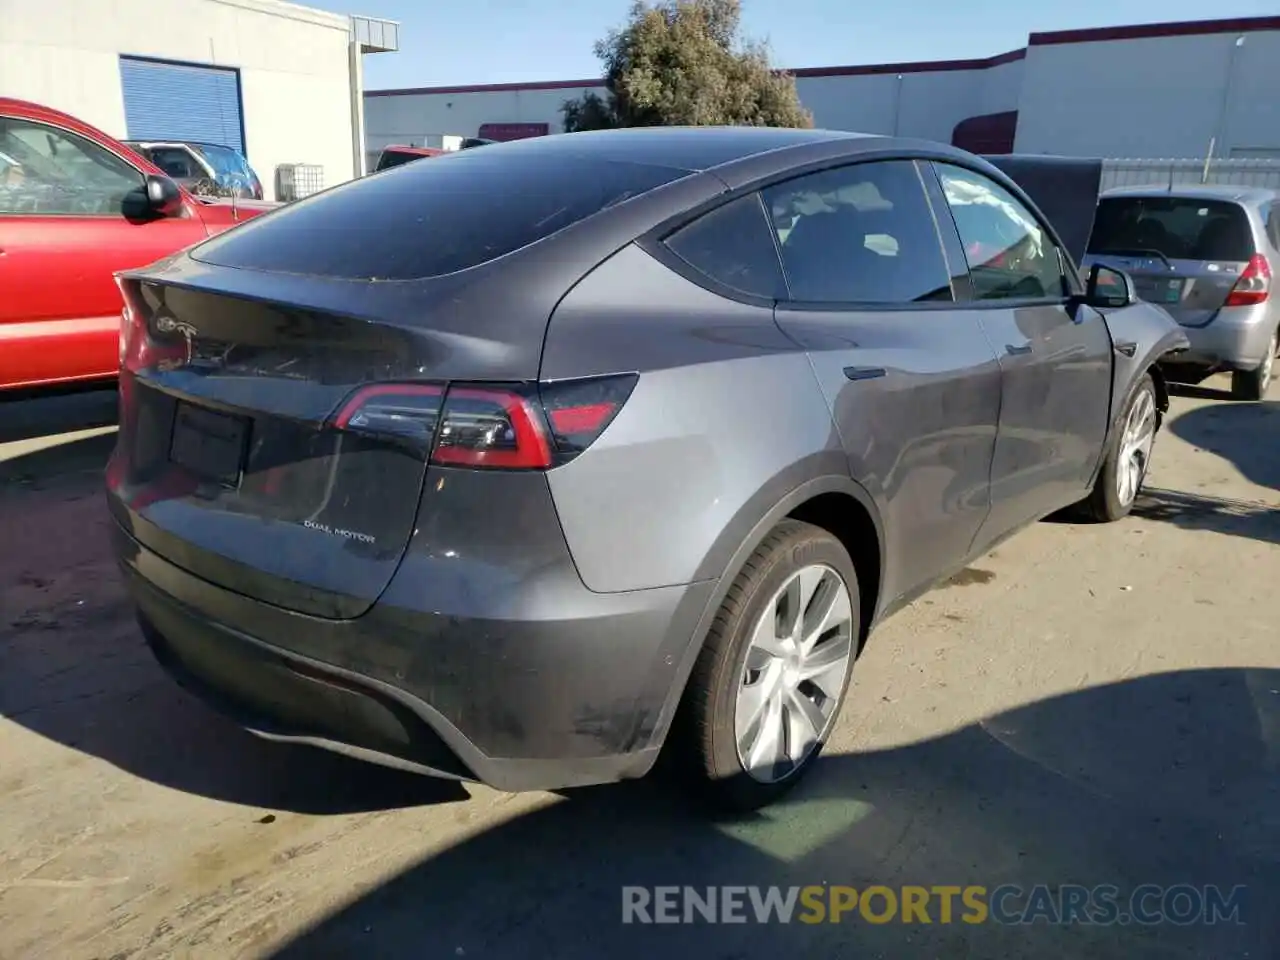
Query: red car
395,155
75,207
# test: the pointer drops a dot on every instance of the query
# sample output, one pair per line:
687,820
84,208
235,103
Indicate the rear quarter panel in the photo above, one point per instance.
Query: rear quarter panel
725,421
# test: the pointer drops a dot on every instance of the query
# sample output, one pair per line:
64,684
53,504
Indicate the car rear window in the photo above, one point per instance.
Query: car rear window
1180,228
429,219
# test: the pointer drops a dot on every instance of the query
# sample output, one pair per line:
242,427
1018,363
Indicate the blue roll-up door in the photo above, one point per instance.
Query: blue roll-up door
178,101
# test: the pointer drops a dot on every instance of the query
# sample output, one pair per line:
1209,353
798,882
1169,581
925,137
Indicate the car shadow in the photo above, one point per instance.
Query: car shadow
28,414
1198,392
75,669
1167,779
1195,511
1245,434
69,462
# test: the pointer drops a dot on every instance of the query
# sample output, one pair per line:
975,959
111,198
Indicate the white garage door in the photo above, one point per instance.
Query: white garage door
179,101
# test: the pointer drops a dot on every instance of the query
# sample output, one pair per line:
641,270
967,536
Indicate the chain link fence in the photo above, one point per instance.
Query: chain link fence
1236,172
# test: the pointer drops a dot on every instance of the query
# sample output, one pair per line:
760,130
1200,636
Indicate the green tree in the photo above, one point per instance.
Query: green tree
685,63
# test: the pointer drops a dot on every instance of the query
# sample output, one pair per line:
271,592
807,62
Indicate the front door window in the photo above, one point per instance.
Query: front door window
45,171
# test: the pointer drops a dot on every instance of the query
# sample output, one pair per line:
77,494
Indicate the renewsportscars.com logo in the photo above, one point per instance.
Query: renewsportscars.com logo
1063,904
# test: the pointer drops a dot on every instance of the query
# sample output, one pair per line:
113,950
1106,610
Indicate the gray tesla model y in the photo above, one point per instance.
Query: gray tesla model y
521,464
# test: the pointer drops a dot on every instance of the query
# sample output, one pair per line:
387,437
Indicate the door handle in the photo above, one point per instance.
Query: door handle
1127,347
864,373
1017,351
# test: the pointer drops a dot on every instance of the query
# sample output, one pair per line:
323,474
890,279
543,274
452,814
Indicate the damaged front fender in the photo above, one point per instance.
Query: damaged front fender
1142,335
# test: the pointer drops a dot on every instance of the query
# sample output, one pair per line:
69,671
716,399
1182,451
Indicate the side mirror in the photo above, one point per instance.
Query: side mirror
1109,287
157,197
164,199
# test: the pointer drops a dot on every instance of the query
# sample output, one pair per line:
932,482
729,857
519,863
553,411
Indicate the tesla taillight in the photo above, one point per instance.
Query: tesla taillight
489,426
133,332
408,412
1254,285
579,410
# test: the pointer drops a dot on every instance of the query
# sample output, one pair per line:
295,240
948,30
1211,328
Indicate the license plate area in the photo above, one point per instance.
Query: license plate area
1160,290
209,444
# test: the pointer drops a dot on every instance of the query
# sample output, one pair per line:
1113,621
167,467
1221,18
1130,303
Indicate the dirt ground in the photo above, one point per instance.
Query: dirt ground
1088,704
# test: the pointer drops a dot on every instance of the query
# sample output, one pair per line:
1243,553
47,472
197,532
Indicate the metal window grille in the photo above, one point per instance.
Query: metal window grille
297,180
1235,171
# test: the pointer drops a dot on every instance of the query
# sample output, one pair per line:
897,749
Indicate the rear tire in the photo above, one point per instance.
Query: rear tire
1128,456
768,685
1252,384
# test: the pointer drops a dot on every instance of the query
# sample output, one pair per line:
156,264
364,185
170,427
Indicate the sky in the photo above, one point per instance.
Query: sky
451,42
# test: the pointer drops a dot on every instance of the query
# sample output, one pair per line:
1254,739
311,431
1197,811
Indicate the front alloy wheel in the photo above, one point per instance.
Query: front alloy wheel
1126,458
1135,447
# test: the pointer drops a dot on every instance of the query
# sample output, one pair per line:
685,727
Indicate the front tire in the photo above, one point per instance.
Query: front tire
768,685
1252,384
1128,457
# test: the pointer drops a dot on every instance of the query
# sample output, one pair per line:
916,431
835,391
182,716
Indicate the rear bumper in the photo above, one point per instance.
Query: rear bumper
1236,339
518,705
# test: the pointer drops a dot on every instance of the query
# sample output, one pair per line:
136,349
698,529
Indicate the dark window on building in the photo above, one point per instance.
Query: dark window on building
859,234
732,246
420,220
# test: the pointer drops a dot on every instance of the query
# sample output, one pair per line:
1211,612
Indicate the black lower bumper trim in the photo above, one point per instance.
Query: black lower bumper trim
280,699
284,696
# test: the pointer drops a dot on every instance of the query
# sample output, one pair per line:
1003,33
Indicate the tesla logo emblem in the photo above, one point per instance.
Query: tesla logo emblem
170,325
167,324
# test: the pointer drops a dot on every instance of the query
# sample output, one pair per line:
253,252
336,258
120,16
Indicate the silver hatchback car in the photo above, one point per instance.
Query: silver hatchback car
1206,253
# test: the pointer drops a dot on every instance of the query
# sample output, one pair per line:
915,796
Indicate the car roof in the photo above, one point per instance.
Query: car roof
404,148
684,148
1198,191
180,143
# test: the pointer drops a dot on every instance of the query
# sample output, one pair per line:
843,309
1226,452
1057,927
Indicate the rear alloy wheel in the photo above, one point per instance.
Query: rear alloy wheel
1252,384
768,685
1128,458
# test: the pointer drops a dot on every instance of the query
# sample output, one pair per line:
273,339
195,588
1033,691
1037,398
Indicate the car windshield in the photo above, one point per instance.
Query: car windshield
224,160
1179,228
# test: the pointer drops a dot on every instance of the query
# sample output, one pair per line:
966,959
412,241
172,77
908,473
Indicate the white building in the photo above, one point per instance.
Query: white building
1155,90
277,81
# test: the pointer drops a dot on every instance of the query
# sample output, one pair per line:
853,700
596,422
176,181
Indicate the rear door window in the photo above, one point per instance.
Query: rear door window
176,162
861,233
1179,228
422,220
732,246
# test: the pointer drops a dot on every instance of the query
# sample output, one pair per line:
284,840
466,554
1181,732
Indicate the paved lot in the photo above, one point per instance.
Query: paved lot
1085,705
